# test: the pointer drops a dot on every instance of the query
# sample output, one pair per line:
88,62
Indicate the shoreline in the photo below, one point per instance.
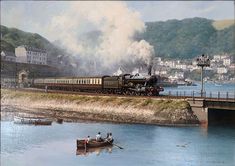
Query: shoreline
70,107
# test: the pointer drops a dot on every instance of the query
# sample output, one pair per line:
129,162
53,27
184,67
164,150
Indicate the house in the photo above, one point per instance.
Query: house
222,70
181,66
170,64
25,54
226,61
8,56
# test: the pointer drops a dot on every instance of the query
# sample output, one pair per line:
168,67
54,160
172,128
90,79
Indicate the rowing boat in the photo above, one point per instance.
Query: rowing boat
32,120
93,144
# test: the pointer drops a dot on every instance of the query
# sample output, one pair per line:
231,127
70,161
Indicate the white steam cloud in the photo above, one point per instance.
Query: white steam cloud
114,44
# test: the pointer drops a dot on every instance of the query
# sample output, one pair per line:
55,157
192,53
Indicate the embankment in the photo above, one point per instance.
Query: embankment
99,108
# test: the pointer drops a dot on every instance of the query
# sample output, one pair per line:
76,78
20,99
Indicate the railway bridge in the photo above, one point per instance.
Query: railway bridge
213,110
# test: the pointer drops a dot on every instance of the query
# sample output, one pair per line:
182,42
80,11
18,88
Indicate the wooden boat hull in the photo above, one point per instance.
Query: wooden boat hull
92,144
30,120
94,150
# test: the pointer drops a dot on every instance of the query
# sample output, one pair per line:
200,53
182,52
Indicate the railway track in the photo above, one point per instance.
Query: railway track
117,95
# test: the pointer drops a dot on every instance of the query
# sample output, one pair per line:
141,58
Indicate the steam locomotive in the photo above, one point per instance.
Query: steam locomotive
125,84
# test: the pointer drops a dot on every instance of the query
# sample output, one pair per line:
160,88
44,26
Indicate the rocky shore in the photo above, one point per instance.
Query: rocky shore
74,107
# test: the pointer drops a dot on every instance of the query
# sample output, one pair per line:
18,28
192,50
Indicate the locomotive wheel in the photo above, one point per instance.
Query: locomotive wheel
149,93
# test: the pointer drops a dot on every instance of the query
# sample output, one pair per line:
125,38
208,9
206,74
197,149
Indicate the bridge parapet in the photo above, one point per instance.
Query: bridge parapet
196,102
220,104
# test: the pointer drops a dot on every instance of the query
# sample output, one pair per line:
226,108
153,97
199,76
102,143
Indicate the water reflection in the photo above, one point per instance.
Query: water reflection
97,151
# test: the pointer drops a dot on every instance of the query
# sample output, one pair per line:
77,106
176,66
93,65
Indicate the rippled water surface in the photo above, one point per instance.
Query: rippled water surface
26,145
211,89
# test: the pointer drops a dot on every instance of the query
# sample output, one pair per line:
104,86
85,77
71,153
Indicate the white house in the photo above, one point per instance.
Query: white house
170,64
218,58
226,62
222,70
27,54
8,56
161,72
181,66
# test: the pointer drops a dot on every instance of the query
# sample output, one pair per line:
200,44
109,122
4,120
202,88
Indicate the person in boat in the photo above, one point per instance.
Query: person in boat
98,137
110,137
107,135
88,139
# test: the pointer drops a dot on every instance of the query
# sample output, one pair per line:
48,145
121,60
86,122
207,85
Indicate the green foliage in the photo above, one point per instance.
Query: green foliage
188,38
182,39
12,38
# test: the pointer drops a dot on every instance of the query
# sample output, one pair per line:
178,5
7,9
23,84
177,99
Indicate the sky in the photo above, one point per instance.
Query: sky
34,16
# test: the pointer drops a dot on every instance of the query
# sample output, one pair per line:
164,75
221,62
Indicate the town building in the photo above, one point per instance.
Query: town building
170,64
222,70
226,61
8,56
181,66
25,54
161,72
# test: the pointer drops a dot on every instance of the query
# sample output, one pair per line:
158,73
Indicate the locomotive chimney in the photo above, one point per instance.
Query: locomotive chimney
150,70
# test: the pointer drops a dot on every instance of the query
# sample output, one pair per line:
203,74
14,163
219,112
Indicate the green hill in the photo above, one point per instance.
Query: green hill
183,39
12,38
188,38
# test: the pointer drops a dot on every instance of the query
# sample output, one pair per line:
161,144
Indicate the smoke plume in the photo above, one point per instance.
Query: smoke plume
101,35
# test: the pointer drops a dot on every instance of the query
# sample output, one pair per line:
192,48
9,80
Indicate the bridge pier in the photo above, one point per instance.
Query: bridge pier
202,106
199,109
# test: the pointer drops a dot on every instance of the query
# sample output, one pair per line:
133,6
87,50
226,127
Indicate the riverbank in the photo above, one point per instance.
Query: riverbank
99,108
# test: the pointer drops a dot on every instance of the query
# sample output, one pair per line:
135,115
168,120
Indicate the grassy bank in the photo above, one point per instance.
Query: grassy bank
101,108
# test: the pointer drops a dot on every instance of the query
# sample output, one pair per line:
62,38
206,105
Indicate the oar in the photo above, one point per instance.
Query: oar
115,145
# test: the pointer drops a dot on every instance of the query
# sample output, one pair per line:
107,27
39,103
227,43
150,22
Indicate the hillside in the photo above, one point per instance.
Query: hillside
12,37
188,38
182,39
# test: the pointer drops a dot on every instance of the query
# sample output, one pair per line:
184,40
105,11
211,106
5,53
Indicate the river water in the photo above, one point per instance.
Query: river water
150,145
224,89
